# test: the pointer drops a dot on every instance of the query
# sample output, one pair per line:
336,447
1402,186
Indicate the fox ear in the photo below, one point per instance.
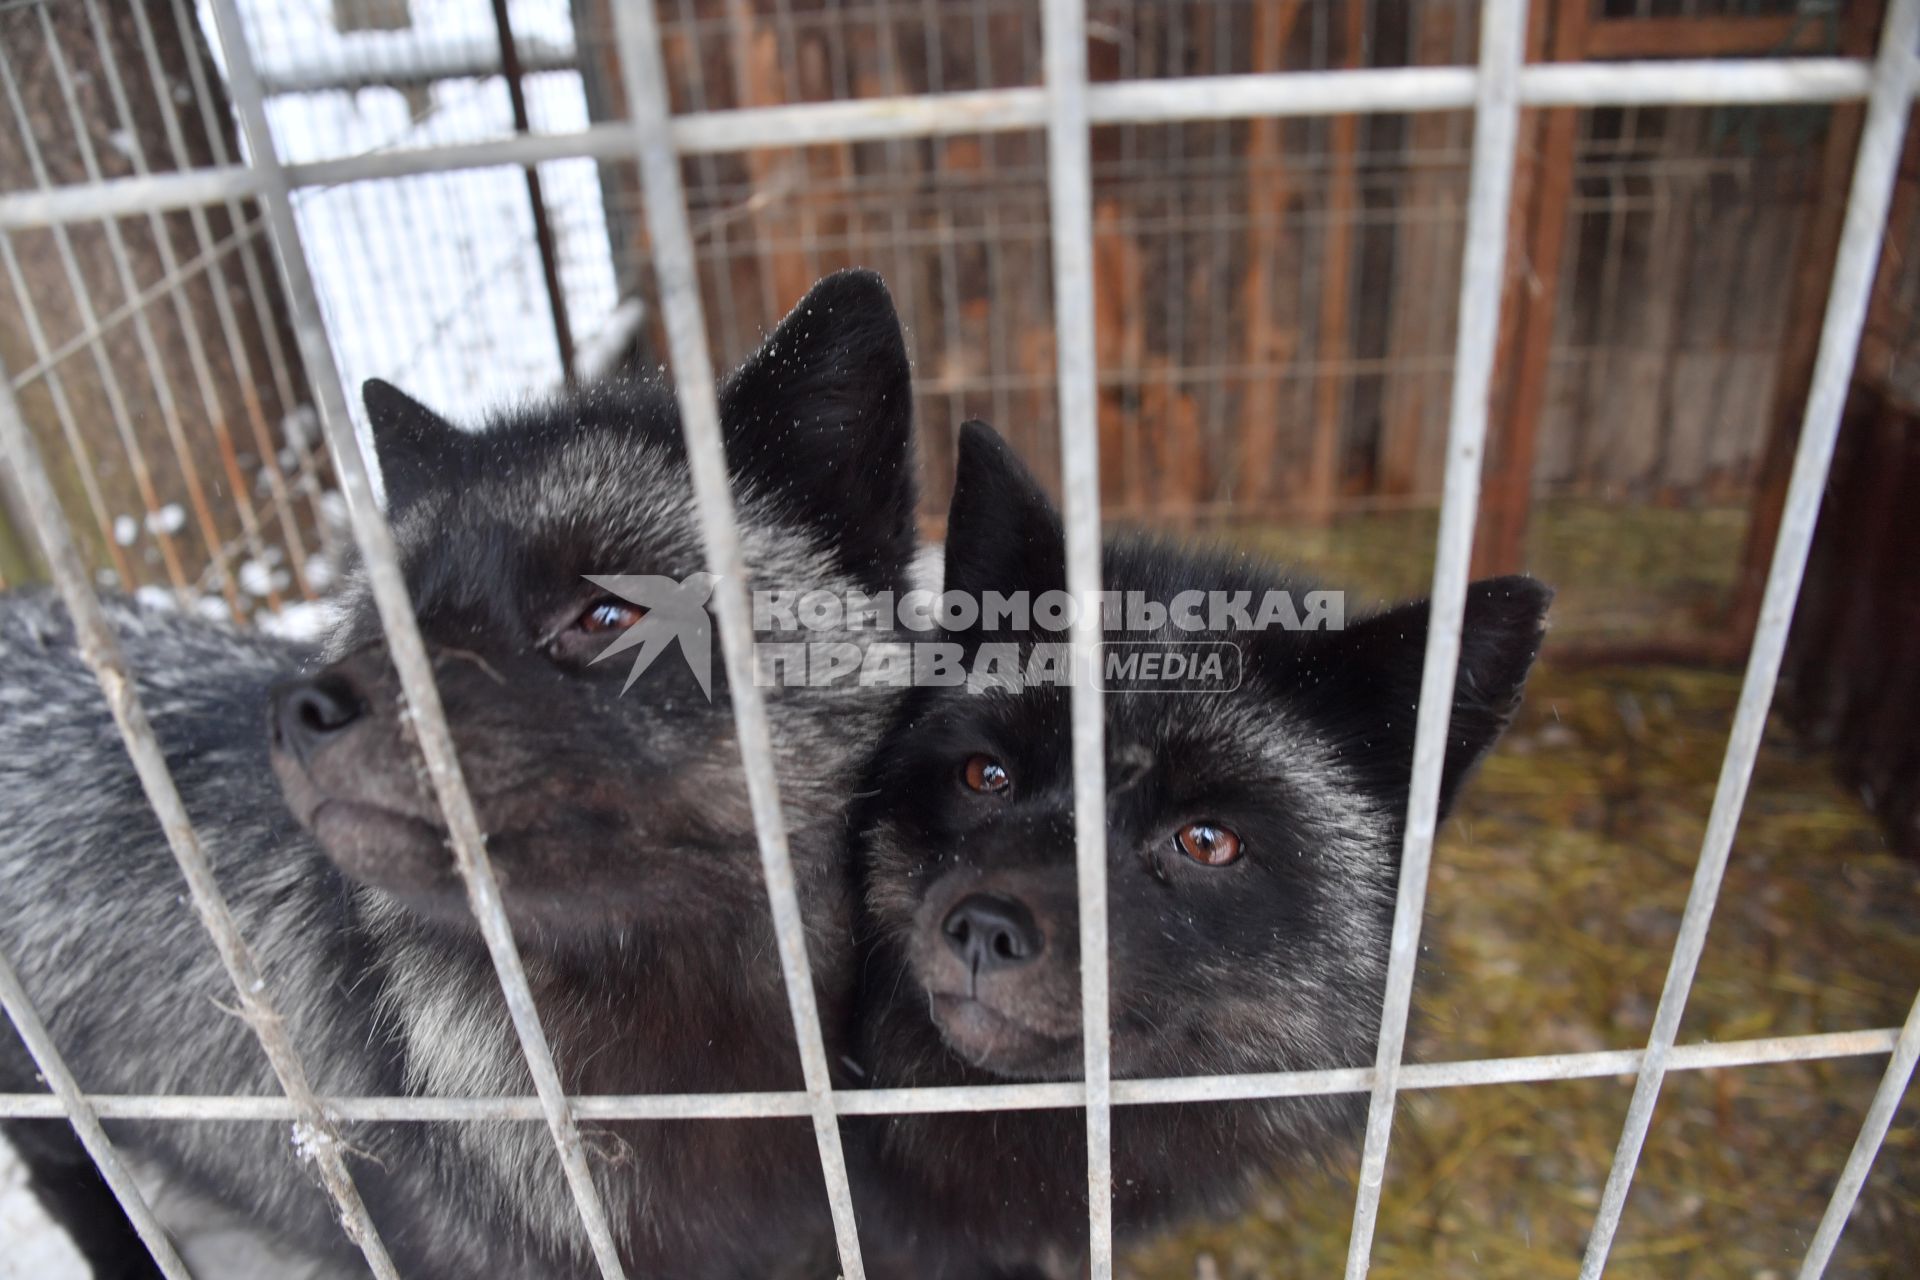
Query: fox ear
1363,683
411,440
1003,533
820,421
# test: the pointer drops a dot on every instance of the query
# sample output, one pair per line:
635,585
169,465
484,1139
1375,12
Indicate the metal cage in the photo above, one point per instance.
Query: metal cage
1066,106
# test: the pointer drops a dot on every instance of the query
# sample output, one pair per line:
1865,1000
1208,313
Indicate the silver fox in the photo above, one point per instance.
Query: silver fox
618,826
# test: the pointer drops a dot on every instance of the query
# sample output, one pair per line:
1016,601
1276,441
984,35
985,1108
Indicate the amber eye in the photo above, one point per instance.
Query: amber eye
1208,845
985,774
607,616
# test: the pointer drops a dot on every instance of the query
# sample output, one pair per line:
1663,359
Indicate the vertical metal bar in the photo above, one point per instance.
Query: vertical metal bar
643,74
542,225
1496,123
1868,201
405,647
1873,1131
1070,215
101,652
80,1113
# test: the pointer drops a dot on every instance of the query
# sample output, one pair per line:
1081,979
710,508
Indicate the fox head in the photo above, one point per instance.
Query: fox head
1256,787
561,533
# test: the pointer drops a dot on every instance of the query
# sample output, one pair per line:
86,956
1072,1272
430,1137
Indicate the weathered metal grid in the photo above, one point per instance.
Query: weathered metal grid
1709,82
1066,106
219,264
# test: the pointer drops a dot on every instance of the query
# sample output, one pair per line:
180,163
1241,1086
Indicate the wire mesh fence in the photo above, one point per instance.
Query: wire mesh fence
1287,340
705,133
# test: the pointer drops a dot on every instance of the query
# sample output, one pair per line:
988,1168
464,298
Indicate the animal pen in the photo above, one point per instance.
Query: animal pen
1208,263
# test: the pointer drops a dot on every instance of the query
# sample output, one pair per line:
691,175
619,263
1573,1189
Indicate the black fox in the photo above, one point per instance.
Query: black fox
1254,827
617,822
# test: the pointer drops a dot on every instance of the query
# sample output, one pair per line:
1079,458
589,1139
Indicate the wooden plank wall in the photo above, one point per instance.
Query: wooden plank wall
1851,677
1275,298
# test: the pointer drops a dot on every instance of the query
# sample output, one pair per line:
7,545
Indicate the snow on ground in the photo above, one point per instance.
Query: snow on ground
212,1244
34,1249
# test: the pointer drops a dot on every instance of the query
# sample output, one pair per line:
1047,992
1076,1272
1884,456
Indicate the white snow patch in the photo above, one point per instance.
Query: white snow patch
256,579
260,578
303,620
301,427
333,508
214,1242
169,519
35,1248
309,1141
319,571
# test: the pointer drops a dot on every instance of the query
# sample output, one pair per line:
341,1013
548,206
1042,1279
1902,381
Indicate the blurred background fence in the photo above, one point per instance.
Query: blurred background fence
1274,296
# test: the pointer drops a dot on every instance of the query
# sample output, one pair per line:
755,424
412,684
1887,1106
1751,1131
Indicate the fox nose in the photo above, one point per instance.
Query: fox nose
307,713
990,932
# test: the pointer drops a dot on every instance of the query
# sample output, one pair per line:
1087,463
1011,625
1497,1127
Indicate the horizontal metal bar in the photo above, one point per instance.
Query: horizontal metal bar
366,59
1464,1073
605,141
1670,84
1281,93
861,120
1302,93
116,197
1542,1069
1406,89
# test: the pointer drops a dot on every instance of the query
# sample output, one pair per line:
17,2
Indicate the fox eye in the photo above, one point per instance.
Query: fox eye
603,617
986,775
1208,845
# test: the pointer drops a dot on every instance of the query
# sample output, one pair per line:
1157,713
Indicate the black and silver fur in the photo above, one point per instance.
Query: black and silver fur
1274,962
618,827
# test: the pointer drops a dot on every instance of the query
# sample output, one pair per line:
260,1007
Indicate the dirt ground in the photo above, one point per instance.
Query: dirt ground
1555,898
